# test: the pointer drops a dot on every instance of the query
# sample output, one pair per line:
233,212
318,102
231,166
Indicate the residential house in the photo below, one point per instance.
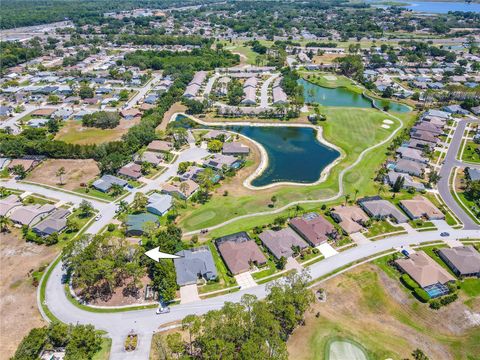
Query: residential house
426,136
378,208
194,264
131,170
9,203
43,112
420,207
408,181
153,158
56,222
473,174
235,149
159,204
217,134
192,173
136,222
30,214
106,182
282,243
463,260
160,146
413,168
240,252
350,218
426,272
220,162
130,114
313,228
182,191
412,154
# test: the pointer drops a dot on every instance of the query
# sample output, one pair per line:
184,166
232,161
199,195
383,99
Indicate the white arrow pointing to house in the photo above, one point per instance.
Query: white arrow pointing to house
156,254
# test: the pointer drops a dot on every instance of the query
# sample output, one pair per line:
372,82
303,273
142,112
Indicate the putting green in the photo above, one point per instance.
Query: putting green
342,349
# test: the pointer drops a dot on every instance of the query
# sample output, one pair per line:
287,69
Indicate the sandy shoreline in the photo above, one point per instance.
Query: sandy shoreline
264,156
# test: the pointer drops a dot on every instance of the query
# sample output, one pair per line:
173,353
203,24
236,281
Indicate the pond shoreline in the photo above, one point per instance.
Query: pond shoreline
264,162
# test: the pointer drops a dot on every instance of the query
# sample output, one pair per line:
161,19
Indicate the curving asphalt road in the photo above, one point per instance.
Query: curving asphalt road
449,164
146,322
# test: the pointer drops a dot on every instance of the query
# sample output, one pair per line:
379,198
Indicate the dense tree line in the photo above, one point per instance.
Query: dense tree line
158,39
79,341
17,13
179,62
13,52
251,329
102,120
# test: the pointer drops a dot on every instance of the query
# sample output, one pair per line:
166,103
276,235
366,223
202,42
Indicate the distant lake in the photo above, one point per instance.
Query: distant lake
443,7
343,97
294,153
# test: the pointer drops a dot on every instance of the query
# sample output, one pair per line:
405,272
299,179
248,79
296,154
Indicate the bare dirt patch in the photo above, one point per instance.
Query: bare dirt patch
76,172
18,297
175,108
367,306
326,58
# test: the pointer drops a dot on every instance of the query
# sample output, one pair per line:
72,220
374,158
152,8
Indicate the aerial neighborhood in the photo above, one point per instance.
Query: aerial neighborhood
239,180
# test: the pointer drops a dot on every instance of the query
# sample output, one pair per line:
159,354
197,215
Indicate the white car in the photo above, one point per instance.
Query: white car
98,217
162,310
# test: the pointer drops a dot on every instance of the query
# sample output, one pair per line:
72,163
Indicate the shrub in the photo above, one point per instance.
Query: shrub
111,227
408,282
421,294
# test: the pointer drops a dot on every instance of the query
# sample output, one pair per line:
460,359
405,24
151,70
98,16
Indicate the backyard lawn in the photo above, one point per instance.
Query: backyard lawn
337,130
381,227
471,153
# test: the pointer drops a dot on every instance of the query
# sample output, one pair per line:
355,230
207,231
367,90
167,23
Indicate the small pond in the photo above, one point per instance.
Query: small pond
343,97
294,153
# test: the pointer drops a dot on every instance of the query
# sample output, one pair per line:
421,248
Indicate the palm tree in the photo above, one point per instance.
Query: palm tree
298,208
60,172
381,189
355,196
347,197
184,187
5,222
122,206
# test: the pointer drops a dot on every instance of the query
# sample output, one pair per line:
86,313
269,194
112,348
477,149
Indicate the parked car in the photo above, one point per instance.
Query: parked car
98,217
443,234
162,310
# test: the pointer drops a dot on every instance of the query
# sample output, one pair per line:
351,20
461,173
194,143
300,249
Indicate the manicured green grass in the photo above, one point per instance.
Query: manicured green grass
326,80
469,153
420,224
471,287
96,193
468,204
381,227
104,353
238,46
337,130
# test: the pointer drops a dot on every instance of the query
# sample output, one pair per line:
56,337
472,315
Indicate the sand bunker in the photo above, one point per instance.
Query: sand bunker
386,121
386,126
330,77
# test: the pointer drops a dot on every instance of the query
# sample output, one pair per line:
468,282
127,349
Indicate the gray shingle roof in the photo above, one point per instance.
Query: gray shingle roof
193,264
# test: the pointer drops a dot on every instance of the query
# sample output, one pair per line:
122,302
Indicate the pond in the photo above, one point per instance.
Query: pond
433,7
342,97
294,153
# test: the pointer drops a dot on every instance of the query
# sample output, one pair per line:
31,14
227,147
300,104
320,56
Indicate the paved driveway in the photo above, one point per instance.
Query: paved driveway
188,294
359,238
245,280
327,250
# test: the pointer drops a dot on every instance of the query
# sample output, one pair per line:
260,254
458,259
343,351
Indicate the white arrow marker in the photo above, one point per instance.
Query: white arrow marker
156,254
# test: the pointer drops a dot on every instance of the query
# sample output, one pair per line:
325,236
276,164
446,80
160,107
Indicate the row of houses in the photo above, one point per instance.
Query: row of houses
44,219
411,159
464,261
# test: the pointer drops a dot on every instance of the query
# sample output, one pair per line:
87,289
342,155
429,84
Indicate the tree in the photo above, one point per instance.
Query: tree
434,177
116,189
122,206
85,92
86,208
146,167
419,355
19,170
59,174
72,224
347,197
123,95
84,343
215,145
5,222
273,199
281,263
356,191
184,187
140,202
398,185
175,344
53,99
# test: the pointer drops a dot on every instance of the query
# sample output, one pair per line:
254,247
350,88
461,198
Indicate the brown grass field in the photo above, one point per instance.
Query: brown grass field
18,300
77,172
367,306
